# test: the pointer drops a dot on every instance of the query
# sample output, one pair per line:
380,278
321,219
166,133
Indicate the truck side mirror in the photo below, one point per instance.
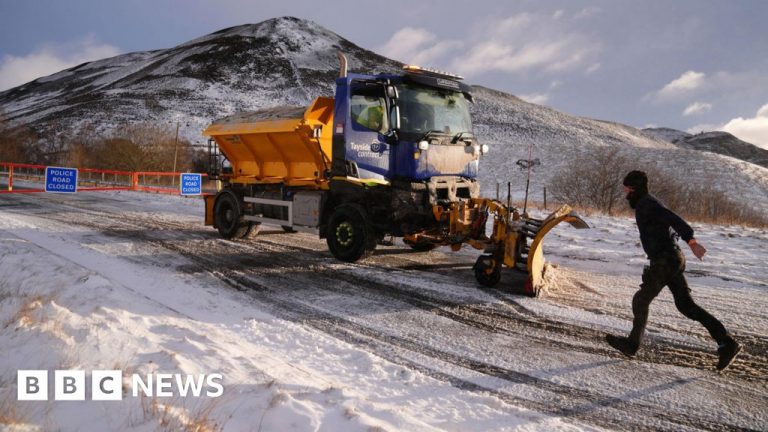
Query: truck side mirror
394,117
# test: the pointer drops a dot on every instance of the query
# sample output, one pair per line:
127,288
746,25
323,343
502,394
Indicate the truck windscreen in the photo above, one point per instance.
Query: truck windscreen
424,109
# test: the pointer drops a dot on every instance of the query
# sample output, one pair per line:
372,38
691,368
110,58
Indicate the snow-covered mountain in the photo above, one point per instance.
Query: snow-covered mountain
715,142
289,61
667,134
282,61
276,62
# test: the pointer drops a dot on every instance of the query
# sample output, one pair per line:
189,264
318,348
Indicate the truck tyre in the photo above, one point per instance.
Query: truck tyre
487,271
350,237
228,213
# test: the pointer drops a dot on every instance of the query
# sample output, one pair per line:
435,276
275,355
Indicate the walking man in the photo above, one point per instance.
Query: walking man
656,224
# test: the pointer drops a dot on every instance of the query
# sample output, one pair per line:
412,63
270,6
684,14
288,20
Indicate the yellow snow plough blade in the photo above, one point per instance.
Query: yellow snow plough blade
515,242
535,263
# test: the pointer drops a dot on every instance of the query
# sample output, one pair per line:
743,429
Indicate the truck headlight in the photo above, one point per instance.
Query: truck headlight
423,145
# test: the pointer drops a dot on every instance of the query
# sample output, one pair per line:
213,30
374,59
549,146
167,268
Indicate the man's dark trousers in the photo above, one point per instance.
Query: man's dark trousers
667,270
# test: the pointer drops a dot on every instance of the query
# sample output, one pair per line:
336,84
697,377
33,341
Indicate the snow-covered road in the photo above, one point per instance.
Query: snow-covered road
403,341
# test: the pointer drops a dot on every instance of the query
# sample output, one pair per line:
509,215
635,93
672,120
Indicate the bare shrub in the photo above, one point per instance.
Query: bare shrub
15,142
12,413
29,313
593,181
134,147
81,147
173,416
142,147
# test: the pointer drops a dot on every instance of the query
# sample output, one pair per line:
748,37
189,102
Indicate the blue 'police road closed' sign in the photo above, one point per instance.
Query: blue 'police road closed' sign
191,184
60,180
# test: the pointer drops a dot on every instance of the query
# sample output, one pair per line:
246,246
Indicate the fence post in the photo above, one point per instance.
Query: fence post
134,181
10,177
545,198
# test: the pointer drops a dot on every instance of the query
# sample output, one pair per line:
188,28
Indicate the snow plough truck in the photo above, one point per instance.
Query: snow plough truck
392,155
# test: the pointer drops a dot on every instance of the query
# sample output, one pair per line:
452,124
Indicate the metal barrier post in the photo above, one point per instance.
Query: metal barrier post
10,177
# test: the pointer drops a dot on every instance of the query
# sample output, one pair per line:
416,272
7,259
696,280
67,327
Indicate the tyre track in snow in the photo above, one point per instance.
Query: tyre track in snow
514,320
511,317
560,399
751,365
555,399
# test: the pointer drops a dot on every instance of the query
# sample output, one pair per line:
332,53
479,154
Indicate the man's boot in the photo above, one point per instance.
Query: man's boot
623,344
727,353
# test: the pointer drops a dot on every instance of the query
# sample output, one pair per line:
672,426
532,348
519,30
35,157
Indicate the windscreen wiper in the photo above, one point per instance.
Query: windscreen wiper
459,135
430,132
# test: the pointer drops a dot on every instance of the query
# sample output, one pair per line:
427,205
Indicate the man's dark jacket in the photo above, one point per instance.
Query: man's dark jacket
656,223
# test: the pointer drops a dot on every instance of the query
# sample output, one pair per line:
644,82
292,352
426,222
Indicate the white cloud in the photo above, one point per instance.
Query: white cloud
697,108
752,130
517,44
416,46
558,14
49,59
686,83
587,12
593,68
526,42
536,98
496,55
555,84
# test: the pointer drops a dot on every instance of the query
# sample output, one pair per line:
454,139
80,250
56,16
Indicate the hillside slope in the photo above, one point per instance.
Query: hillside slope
715,142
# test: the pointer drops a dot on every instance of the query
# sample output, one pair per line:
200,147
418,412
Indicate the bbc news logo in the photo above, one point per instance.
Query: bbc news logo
107,385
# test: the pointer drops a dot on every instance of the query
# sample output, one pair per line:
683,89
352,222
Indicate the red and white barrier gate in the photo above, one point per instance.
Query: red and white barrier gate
27,178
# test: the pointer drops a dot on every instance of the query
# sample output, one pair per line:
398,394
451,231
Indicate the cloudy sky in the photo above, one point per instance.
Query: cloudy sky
687,64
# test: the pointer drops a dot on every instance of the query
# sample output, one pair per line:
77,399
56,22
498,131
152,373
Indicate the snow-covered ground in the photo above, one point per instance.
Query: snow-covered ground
404,341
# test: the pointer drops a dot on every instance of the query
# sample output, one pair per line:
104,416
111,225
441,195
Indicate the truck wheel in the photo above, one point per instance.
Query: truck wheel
228,213
487,271
349,236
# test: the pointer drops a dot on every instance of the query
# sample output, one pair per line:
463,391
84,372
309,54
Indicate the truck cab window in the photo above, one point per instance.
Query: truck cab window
368,108
425,108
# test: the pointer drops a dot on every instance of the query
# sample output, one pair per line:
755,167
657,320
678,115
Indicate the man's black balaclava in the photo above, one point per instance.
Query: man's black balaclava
638,181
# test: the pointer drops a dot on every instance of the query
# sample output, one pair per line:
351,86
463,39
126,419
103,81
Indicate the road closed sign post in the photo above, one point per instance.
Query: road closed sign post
191,184
60,180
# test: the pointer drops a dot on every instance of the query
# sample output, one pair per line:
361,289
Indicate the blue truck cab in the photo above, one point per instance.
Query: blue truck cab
402,129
